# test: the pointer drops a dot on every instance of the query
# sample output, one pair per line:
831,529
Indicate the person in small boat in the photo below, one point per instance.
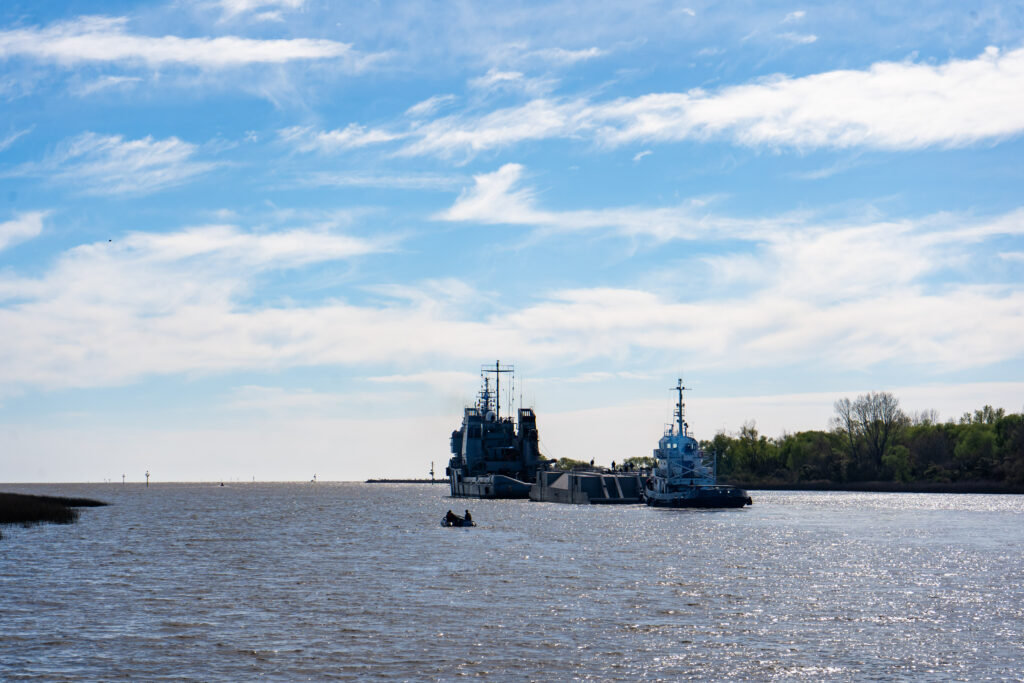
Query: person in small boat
469,517
451,518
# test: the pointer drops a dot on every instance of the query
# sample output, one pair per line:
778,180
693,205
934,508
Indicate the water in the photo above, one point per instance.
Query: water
355,582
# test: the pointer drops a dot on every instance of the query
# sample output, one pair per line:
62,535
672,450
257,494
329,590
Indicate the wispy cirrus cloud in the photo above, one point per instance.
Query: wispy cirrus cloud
514,81
110,164
501,198
86,88
538,119
261,10
23,227
799,38
429,105
563,56
308,139
99,39
890,105
397,181
11,138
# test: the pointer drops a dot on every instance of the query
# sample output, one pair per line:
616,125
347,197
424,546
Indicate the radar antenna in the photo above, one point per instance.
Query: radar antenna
496,370
680,411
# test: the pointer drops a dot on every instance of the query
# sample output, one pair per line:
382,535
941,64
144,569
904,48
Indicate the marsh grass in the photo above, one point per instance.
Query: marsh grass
18,508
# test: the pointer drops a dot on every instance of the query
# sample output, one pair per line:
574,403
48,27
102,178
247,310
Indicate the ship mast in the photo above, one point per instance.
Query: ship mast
680,412
497,369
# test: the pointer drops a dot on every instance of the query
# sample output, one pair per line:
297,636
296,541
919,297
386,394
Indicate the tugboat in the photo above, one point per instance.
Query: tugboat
494,456
683,478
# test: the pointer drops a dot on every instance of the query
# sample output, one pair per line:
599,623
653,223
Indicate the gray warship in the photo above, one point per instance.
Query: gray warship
683,476
494,456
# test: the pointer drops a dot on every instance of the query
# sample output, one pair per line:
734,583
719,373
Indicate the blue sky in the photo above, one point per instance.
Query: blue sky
247,238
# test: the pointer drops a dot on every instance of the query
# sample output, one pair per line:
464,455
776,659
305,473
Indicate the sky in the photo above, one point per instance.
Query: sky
267,239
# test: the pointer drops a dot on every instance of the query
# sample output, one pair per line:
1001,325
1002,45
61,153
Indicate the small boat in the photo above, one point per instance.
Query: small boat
458,521
683,478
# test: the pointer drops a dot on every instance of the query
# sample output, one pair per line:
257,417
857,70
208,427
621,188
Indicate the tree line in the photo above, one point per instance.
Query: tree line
871,439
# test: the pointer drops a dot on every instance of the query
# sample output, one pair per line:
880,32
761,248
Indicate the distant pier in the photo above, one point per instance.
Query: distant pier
406,481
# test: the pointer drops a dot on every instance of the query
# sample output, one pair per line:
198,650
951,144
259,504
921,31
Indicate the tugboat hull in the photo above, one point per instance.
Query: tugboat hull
703,497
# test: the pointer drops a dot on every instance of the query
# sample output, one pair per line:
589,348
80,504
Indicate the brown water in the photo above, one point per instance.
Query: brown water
354,581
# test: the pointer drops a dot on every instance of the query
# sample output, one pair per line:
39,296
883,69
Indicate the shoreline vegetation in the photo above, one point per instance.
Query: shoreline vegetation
25,509
872,445
989,487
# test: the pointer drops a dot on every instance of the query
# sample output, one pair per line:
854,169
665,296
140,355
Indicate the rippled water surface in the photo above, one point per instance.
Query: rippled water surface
359,581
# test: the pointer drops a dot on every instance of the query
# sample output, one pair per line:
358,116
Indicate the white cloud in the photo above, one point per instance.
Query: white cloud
562,56
794,16
846,296
104,83
13,137
429,105
110,164
536,120
277,249
497,80
493,77
498,198
799,38
406,181
640,155
105,39
852,293
306,139
24,227
147,303
234,8
891,105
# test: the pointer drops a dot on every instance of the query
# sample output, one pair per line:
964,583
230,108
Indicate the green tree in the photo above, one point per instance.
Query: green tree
897,462
975,451
638,461
1010,448
809,455
569,464
756,452
870,425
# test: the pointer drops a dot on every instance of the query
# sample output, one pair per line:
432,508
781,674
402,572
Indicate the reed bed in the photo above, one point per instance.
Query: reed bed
19,508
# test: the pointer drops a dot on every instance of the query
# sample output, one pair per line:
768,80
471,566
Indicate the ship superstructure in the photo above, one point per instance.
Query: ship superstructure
494,456
683,476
